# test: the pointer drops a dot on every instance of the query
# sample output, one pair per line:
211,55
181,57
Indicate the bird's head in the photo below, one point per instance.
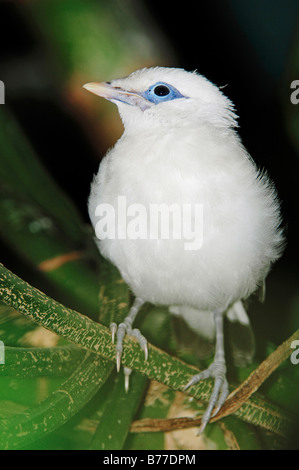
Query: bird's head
161,96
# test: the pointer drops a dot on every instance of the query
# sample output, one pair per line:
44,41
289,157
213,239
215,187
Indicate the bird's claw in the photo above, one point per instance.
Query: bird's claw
120,331
217,371
127,373
113,329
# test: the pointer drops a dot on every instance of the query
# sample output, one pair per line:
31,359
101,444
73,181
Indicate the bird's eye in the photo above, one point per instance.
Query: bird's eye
161,90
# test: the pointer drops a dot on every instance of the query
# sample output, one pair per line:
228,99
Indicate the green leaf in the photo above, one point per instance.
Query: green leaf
41,362
58,407
118,413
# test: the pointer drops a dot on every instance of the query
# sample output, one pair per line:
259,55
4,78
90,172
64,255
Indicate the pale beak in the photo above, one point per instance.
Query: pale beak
111,93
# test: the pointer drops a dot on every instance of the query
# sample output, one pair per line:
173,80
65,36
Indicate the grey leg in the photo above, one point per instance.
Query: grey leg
126,328
217,371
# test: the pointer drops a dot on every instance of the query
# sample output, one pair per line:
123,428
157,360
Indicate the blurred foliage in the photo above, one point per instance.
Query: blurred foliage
95,41
58,385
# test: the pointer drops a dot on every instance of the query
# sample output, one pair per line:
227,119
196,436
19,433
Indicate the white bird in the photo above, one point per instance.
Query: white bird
180,147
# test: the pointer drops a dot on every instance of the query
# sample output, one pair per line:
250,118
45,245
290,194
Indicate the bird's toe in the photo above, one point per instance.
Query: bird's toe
217,371
120,331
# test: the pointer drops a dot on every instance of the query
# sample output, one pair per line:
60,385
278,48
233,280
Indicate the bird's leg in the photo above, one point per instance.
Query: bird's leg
126,328
217,371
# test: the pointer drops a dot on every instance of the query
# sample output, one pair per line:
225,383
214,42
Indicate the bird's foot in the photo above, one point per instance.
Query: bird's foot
217,371
120,331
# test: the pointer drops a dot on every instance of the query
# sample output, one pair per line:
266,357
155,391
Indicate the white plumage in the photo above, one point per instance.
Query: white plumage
182,147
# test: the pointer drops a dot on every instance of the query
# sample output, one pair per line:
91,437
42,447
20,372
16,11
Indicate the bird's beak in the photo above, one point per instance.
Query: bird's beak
111,93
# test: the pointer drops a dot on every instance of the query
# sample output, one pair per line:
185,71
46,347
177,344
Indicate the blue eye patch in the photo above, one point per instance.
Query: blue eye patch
161,92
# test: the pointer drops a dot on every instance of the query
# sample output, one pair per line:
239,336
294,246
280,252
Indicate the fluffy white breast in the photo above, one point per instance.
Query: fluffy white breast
196,164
